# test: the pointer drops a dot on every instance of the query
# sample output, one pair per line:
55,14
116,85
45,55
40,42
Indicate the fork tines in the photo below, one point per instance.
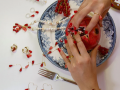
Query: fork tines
46,73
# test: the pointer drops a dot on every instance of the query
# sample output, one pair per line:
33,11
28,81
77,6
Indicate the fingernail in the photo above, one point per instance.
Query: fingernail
70,24
67,56
59,49
75,32
75,11
66,66
72,16
67,33
86,32
74,28
100,17
74,42
65,41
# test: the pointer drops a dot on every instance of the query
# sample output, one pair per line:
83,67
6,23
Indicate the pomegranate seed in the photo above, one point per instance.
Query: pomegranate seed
50,48
61,40
14,30
17,29
27,66
33,62
29,55
111,5
30,51
16,24
49,52
10,65
41,64
65,41
13,49
75,32
74,28
70,25
37,0
29,27
24,28
75,11
33,15
74,42
65,66
27,89
20,70
19,26
67,56
44,55
86,32
56,43
26,25
37,12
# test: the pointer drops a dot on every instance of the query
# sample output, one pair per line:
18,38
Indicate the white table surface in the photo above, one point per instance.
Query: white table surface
14,11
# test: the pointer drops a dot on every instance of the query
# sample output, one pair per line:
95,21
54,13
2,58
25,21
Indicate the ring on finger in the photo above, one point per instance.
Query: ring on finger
100,17
71,56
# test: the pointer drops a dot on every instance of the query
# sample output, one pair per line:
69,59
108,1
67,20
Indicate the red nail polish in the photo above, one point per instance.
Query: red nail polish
74,42
74,28
86,32
59,49
100,17
67,33
67,56
75,11
65,41
75,32
70,25
72,16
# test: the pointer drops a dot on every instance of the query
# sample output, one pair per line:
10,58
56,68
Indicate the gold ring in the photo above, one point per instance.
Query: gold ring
71,56
100,17
97,14
78,41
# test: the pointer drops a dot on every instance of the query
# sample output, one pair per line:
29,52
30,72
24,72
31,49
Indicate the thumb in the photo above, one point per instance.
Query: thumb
94,54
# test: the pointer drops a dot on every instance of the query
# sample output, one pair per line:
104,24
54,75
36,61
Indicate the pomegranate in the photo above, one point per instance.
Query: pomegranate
90,41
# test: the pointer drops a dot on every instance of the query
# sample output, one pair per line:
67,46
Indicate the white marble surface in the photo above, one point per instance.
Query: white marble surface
14,11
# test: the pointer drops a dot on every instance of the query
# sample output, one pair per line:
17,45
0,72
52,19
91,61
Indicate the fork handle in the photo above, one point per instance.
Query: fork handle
70,81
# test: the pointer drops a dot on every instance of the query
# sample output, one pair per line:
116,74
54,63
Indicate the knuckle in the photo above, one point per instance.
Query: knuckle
87,60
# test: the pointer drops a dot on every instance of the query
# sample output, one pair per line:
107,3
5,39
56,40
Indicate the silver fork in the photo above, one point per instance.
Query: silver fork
54,76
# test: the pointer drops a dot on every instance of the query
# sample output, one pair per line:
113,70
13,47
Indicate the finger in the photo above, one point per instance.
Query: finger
103,15
64,57
94,54
81,46
79,16
93,22
68,50
72,47
82,5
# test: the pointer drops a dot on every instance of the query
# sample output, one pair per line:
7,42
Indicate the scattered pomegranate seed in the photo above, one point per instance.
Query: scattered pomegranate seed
20,70
33,15
30,51
29,27
10,65
75,11
74,28
33,62
26,25
61,40
37,12
41,64
27,66
66,66
56,43
17,29
112,5
50,48
16,24
13,49
19,26
14,30
27,89
65,41
44,55
70,25
24,28
37,0
49,52
29,55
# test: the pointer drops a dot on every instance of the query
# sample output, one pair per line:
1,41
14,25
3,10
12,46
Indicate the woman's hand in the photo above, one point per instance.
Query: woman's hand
81,66
97,6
